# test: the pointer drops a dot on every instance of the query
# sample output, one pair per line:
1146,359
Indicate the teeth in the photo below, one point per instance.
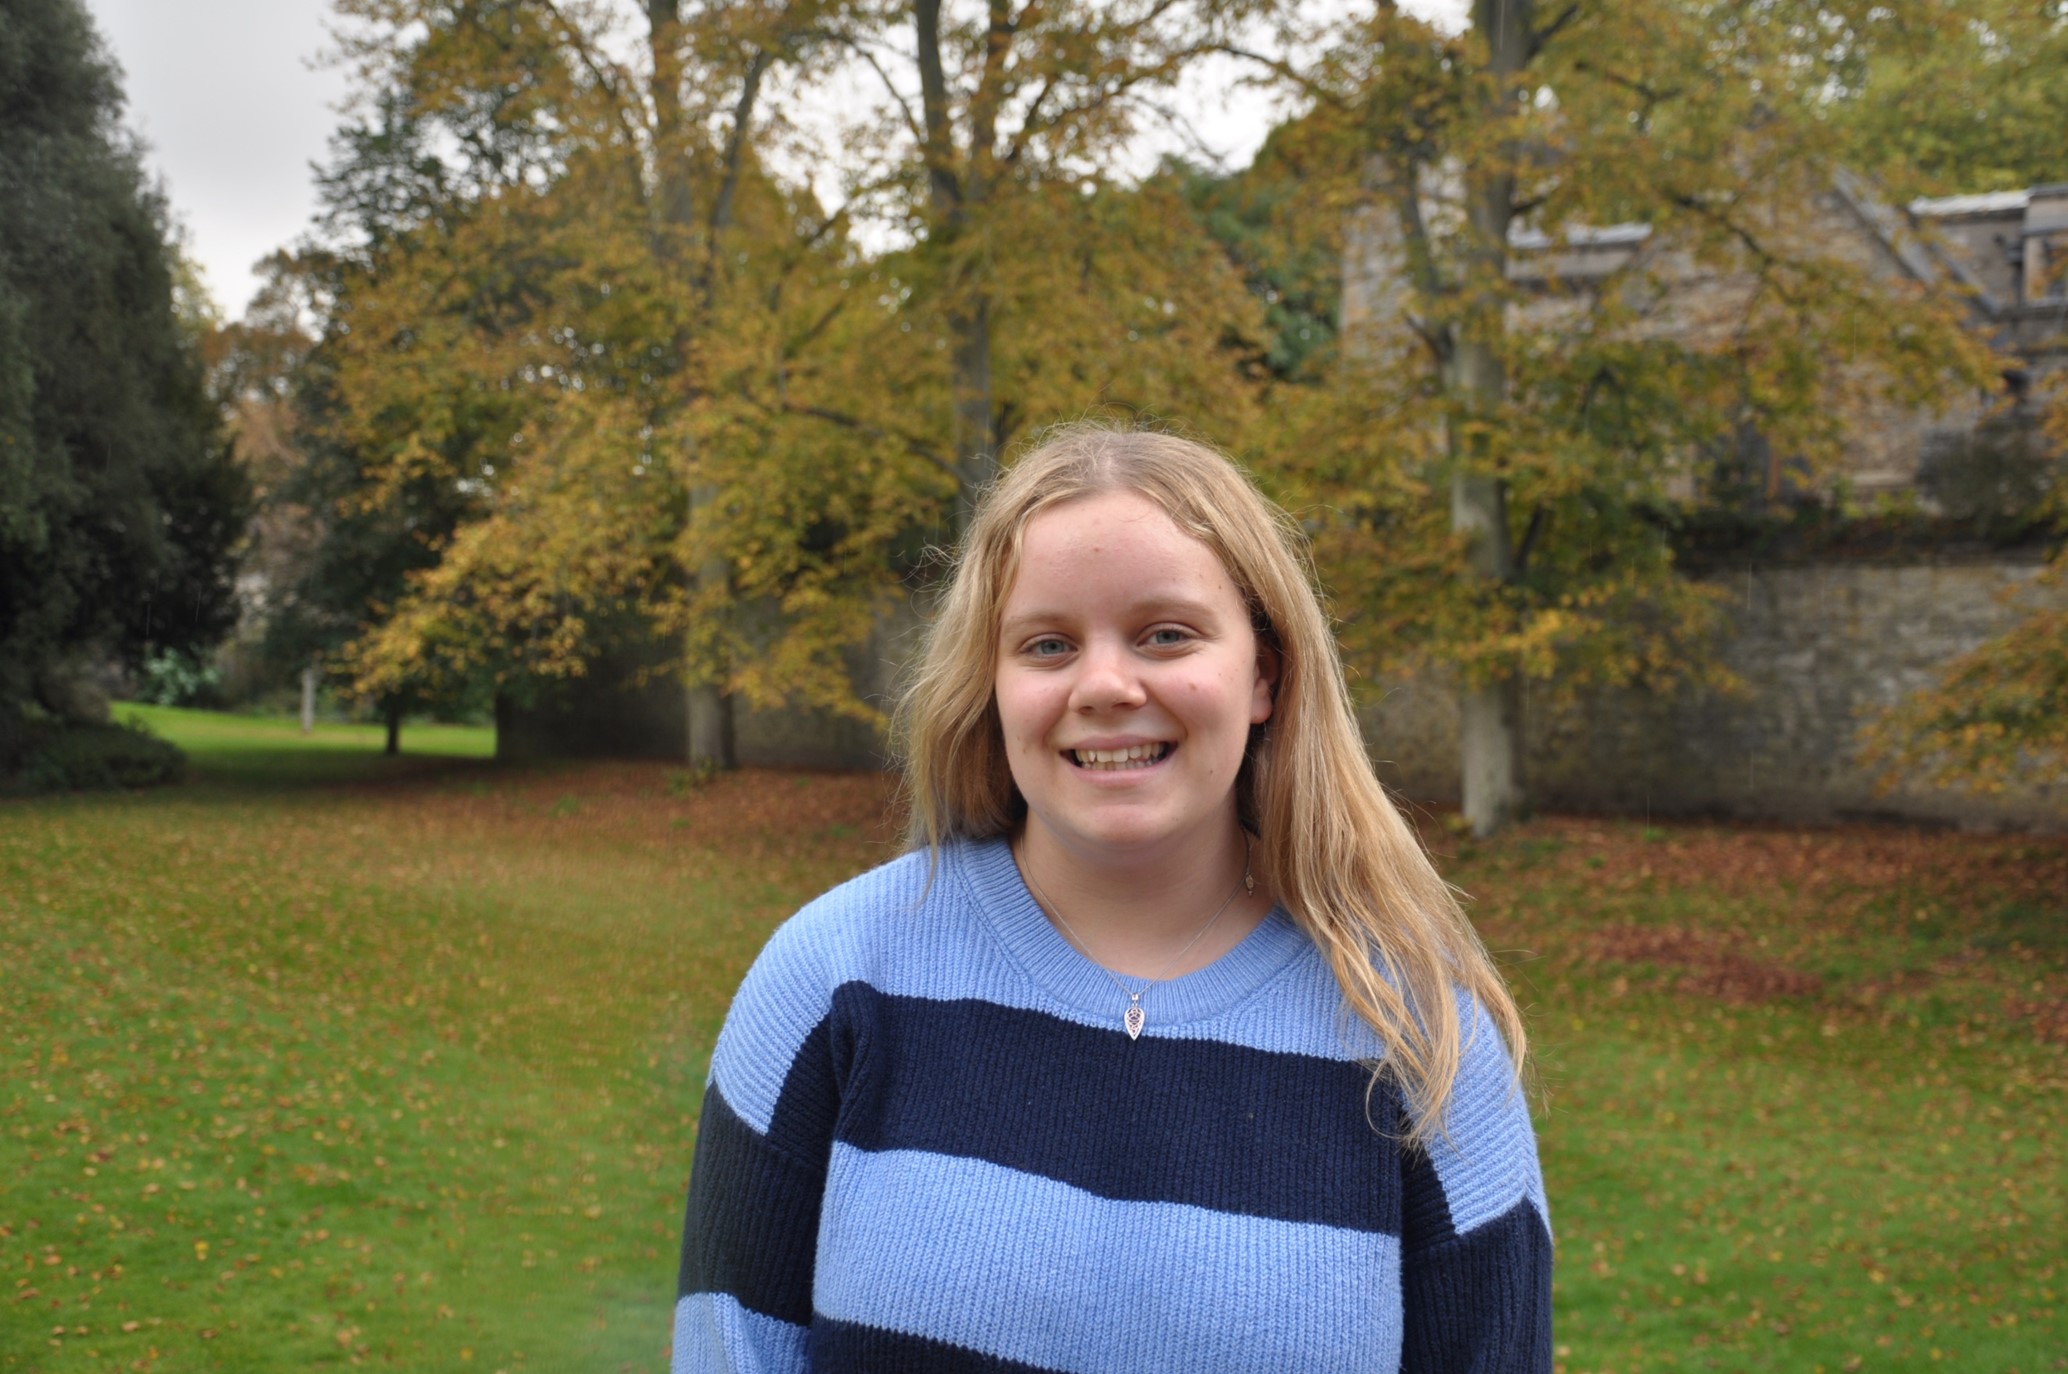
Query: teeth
1134,756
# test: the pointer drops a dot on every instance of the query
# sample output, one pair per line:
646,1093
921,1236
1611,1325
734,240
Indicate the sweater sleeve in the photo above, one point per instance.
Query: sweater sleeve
744,1296
1475,1231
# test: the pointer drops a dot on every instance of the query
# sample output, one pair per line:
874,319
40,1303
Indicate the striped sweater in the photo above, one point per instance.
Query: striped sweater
928,1145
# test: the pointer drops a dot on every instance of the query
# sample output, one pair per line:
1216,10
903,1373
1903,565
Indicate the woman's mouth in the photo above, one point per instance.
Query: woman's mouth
1116,760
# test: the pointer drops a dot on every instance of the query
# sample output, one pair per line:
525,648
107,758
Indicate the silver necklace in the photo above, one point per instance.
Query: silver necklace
1134,1018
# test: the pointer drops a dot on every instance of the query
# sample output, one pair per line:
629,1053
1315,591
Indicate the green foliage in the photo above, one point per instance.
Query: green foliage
75,757
120,502
1960,96
171,678
1286,241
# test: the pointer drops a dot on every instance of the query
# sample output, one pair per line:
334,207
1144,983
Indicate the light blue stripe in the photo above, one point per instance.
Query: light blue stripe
1029,1269
715,1335
1487,1160
961,942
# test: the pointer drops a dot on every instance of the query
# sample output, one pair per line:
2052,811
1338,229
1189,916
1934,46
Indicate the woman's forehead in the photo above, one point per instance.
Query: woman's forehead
1114,552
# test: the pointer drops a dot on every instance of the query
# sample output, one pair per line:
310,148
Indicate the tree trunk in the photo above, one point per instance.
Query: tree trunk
958,194
309,699
976,434
1490,713
392,710
1490,754
711,736
709,707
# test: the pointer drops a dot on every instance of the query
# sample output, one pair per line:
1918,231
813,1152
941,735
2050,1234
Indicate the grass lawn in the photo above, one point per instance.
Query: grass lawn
323,1058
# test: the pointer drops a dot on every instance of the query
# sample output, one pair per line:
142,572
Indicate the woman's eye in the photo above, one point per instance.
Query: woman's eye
1167,638
1048,648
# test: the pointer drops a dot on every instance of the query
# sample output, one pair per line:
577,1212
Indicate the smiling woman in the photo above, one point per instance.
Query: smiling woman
1070,1086
1127,684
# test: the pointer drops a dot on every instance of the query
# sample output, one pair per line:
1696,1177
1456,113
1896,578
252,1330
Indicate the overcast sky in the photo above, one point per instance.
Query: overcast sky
234,106
234,112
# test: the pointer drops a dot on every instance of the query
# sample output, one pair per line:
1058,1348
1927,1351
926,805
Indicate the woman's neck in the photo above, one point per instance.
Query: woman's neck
1135,914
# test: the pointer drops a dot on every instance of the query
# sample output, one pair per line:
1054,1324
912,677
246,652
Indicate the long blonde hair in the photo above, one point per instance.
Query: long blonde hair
1345,864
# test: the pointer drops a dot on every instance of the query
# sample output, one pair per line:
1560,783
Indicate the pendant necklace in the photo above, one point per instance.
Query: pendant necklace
1134,1018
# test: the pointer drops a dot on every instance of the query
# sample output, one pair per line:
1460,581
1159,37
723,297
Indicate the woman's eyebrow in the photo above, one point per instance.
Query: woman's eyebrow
1148,608
1029,623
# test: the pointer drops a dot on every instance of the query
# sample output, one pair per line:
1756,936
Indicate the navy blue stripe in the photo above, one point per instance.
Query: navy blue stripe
1425,1218
849,1348
1482,1302
1215,1125
753,1224
802,1122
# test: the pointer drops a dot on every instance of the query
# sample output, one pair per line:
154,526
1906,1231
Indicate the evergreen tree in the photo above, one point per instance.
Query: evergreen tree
120,500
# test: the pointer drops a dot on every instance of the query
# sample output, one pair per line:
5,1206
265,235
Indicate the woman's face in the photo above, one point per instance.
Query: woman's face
1128,680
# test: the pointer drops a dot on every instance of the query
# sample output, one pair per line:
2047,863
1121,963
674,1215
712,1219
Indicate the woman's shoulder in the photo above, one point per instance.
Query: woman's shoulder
858,911
864,933
843,933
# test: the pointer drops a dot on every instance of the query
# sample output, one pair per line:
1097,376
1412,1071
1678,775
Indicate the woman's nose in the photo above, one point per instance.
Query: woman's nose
1106,680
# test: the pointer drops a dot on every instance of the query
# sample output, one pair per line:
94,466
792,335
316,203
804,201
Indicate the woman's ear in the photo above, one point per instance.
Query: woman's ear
1264,691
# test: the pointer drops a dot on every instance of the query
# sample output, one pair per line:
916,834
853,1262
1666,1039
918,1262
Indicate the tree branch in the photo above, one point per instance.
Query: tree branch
1539,518
795,344
612,79
985,102
861,50
1550,31
1031,122
873,431
1652,96
736,141
938,143
1406,195
1284,71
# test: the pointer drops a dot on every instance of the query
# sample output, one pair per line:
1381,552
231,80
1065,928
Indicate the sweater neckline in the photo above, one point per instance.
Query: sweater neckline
987,869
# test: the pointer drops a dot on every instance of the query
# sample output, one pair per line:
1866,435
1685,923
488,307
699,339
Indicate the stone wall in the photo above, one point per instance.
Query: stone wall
1820,650
624,708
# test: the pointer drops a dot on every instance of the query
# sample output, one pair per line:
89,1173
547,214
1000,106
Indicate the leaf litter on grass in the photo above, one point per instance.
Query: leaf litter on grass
404,1071
1799,1112
385,1073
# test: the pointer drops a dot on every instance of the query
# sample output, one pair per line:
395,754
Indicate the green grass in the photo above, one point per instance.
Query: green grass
325,1058
255,751
1802,1094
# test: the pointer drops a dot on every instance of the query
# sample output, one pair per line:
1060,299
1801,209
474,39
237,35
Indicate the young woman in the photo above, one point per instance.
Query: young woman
1165,1048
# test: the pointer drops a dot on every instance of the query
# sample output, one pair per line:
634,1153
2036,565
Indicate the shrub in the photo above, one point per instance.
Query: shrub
69,758
172,678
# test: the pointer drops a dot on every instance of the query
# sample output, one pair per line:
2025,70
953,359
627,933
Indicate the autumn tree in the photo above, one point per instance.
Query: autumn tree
600,325
1504,447
1999,714
119,499
579,288
995,147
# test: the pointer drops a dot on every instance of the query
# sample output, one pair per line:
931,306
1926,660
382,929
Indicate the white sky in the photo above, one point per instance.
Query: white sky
231,101
225,95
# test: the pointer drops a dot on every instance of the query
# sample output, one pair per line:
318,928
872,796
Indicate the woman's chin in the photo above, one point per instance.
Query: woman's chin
1128,832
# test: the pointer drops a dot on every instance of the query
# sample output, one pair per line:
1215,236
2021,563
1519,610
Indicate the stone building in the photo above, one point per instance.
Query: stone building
1820,644
2005,254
